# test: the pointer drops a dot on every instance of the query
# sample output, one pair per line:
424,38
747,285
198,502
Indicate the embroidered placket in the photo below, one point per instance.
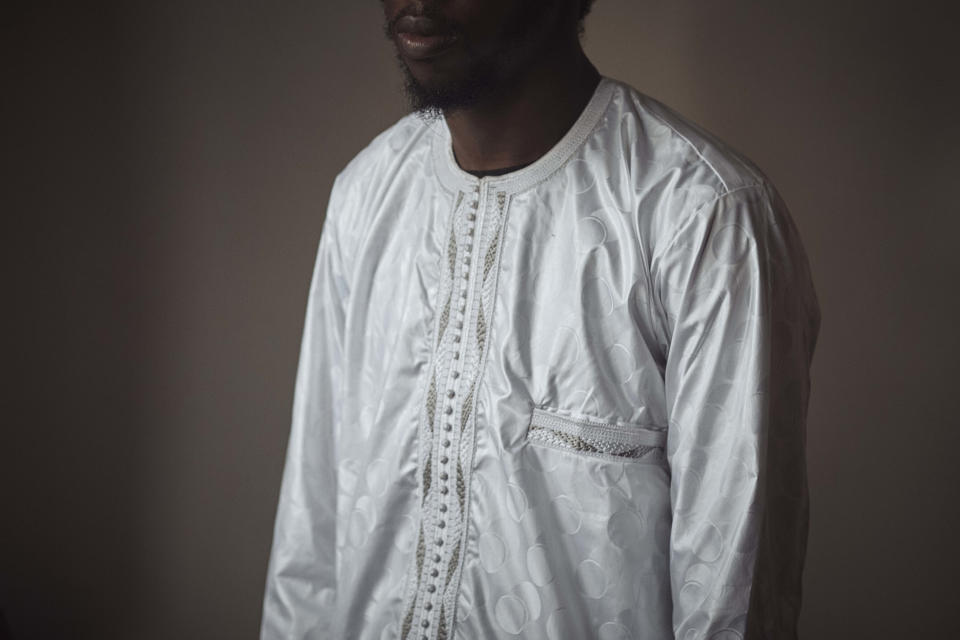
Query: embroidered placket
447,430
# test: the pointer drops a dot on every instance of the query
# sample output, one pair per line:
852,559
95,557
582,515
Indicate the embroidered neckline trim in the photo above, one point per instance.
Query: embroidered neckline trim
455,178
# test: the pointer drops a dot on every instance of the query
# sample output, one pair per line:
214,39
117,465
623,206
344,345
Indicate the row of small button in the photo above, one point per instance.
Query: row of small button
451,393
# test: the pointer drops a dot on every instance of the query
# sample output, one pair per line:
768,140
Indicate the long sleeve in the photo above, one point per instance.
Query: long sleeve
742,317
301,578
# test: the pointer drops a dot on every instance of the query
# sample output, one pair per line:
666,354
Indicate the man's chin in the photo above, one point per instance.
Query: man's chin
434,96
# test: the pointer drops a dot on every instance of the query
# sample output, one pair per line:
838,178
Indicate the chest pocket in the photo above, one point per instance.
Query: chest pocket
588,436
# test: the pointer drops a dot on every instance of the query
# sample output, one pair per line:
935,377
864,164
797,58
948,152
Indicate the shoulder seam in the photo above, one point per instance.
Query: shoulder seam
703,207
692,146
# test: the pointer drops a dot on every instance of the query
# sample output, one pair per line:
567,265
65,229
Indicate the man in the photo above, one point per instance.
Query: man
554,373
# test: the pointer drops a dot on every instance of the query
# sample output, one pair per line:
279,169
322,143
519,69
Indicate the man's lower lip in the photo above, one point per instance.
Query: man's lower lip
419,47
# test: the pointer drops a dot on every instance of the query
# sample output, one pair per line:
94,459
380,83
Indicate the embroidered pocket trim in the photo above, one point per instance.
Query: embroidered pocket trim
589,436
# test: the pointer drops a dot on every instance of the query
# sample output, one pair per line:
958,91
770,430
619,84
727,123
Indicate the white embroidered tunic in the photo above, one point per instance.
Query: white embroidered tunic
567,402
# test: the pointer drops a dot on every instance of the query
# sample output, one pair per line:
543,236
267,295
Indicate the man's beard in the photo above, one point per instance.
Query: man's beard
463,92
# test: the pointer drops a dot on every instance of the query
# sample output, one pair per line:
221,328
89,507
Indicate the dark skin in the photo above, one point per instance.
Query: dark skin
539,82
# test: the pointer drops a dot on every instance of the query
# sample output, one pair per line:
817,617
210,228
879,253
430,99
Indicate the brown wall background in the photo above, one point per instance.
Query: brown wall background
165,171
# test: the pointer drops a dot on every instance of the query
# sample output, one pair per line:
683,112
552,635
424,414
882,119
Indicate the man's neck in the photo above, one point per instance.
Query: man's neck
528,118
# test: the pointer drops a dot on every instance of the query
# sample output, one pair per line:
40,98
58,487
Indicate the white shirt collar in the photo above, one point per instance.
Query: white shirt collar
454,178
